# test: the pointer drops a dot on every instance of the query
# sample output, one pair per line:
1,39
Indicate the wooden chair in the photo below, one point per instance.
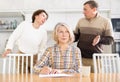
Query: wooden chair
106,63
12,63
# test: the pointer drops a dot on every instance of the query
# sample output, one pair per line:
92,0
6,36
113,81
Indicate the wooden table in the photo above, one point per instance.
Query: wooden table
75,78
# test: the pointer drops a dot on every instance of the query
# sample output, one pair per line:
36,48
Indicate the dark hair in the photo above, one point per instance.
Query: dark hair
37,12
92,3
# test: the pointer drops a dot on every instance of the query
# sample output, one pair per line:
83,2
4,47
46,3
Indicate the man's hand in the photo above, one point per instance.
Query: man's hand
96,40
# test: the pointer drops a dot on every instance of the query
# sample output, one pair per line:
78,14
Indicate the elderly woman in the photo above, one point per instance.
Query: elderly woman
63,57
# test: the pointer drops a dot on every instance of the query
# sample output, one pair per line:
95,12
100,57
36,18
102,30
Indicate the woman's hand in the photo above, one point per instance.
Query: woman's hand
55,71
45,70
6,52
48,70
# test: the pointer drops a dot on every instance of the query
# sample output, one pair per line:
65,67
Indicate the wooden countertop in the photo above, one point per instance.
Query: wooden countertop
75,78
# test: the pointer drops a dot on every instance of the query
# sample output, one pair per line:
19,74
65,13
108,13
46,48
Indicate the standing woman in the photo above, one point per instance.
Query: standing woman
30,37
62,57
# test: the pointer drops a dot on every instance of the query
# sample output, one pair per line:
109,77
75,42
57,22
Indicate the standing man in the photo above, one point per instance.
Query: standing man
30,37
91,32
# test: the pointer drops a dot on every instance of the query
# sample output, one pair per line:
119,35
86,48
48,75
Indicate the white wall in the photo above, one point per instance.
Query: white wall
70,17
115,8
53,4
26,5
11,5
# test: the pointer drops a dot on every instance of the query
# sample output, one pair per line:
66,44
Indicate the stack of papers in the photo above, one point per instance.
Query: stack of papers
55,75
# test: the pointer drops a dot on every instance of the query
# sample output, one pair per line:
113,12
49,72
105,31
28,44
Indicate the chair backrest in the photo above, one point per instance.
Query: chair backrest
14,63
106,63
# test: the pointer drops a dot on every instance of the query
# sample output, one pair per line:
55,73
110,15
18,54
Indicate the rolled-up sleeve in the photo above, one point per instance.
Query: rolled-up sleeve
42,62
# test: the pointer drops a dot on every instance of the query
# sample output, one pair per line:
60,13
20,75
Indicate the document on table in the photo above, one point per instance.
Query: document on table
55,75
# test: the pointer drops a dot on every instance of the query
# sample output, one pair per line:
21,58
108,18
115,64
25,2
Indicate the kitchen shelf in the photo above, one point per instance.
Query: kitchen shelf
7,30
11,14
10,20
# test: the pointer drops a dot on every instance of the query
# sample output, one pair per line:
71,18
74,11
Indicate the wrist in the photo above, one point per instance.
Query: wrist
9,50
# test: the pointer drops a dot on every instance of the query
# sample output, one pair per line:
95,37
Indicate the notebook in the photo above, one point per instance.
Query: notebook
55,75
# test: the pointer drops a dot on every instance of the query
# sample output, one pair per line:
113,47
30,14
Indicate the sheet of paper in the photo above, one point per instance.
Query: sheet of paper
55,75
